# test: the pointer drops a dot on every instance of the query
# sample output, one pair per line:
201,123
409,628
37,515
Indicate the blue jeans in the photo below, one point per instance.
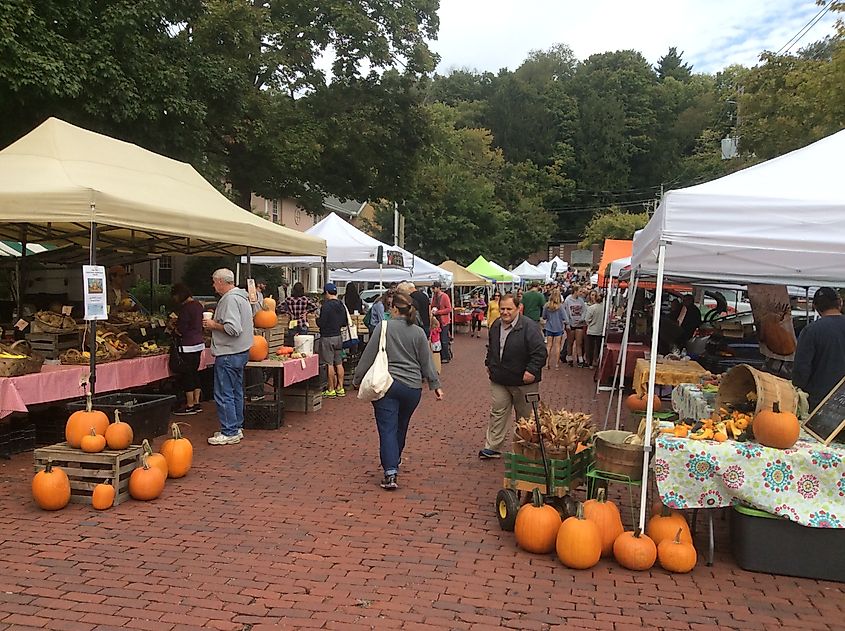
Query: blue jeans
393,415
229,391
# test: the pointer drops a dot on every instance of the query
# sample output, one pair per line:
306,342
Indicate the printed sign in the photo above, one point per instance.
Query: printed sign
94,290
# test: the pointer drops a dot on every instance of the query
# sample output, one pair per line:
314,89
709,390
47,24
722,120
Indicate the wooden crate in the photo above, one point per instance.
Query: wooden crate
88,470
275,337
51,345
300,402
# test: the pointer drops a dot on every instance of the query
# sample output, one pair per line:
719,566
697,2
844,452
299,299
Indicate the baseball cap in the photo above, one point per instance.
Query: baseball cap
330,288
825,295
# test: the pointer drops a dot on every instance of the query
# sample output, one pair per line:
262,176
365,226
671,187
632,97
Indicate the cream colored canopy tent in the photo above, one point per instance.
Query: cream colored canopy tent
462,277
60,180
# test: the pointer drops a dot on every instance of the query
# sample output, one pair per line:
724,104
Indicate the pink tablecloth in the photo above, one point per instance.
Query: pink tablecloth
611,355
293,370
56,383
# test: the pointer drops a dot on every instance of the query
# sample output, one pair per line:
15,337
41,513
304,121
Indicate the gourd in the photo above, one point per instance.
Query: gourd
79,423
664,524
606,516
146,482
638,403
156,460
634,551
119,435
537,525
676,555
578,543
265,319
178,452
103,496
285,350
51,488
777,429
93,443
269,304
259,350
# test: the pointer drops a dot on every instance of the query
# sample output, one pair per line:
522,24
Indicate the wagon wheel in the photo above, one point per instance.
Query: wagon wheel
507,505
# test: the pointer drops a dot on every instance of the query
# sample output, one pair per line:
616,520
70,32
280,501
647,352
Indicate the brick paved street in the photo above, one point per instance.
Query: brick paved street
290,530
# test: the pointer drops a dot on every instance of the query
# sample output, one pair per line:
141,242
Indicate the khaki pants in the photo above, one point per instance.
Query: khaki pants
505,400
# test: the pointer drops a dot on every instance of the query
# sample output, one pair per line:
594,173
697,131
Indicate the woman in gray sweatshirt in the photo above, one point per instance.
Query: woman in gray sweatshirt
409,362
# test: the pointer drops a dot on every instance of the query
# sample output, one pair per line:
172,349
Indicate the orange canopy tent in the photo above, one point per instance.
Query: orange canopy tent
614,249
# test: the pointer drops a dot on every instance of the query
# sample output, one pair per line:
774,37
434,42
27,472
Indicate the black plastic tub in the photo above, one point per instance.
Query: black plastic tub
148,414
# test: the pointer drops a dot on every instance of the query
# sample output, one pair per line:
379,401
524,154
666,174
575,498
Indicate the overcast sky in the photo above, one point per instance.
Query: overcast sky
494,34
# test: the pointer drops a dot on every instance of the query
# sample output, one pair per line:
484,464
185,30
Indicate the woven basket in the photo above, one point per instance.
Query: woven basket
743,379
40,326
614,455
30,363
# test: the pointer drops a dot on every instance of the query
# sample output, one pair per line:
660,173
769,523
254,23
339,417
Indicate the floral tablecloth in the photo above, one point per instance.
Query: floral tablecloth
805,484
691,402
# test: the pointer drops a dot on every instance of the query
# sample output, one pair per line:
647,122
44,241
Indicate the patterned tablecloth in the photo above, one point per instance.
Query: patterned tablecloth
668,373
691,402
805,484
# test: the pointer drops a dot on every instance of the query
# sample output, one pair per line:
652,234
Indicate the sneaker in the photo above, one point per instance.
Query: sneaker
220,439
489,454
240,433
340,392
389,483
197,408
184,411
329,394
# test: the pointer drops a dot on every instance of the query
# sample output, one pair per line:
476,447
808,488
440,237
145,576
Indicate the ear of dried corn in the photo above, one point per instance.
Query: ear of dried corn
562,430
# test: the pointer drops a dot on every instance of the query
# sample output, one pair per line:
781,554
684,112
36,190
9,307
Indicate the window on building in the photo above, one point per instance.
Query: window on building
275,215
165,270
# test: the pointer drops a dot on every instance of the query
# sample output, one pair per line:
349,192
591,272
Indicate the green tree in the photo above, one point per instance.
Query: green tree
672,65
613,223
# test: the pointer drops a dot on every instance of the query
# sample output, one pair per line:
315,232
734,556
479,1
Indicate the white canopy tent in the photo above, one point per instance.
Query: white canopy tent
513,278
526,271
559,264
418,270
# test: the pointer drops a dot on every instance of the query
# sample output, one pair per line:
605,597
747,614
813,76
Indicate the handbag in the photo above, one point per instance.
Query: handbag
377,381
176,360
349,333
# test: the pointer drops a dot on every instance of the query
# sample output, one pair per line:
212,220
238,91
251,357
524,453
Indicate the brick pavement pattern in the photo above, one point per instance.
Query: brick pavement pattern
289,529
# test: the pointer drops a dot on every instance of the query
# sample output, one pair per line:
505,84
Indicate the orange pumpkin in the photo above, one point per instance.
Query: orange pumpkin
774,334
578,542
676,555
265,319
537,525
146,482
178,452
79,423
637,403
51,488
93,443
119,435
155,460
606,516
776,429
665,524
260,349
103,496
634,550
269,304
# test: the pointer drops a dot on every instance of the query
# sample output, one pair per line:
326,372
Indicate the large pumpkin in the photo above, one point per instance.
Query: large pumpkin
634,550
578,542
119,435
606,516
775,336
676,555
178,452
260,349
154,459
265,319
777,429
79,424
665,524
537,525
639,403
103,496
146,482
51,488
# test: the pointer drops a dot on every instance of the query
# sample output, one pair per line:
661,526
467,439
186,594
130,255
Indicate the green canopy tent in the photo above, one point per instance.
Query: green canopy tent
482,267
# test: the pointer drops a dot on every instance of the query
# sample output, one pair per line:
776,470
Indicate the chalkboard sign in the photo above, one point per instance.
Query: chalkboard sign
828,419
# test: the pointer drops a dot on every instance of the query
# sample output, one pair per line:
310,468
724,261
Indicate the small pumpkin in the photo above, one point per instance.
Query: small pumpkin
578,543
634,550
537,525
259,349
665,523
93,443
146,482
606,516
676,555
269,304
79,423
776,429
639,403
154,459
119,435
51,488
178,452
103,496
264,319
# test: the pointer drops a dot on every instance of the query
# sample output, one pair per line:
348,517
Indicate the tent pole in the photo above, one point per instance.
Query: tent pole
325,271
604,330
623,356
652,371
807,303
22,270
248,263
92,324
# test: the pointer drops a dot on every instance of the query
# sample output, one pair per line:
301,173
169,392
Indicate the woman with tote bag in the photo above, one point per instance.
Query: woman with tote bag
409,361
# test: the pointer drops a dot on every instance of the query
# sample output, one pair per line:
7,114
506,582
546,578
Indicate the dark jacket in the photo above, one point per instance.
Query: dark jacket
524,351
423,305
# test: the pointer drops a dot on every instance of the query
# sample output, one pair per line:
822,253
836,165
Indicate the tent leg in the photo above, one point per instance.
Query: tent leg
623,356
325,271
649,413
604,331
248,264
92,324
22,270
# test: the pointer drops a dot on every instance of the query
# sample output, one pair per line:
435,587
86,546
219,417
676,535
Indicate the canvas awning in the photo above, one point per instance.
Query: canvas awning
483,267
462,277
526,271
60,179
614,249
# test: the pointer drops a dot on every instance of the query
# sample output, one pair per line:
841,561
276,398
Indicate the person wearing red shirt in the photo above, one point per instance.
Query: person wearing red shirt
441,308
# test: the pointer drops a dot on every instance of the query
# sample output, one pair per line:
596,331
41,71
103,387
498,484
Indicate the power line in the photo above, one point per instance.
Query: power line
804,30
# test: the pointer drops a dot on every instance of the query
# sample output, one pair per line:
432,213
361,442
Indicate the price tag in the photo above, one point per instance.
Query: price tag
144,332
108,309
293,324
67,310
153,323
20,325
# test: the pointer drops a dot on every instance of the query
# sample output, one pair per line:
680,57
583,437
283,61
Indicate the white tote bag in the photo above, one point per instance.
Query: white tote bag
377,381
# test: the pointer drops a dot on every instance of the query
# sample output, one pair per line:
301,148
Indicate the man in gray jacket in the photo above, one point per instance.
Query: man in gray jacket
231,338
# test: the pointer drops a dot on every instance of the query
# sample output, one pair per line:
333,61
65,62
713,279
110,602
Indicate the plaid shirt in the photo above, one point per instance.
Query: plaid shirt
298,307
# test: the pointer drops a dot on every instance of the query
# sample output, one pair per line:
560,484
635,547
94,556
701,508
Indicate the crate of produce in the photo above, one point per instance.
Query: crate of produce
52,345
86,471
302,402
275,337
266,414
526,474
148,414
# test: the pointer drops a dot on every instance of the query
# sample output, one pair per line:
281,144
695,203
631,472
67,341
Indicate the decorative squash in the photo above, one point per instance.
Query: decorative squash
578,542
537,525
676,555
265,319
774,335
154,459
637,403
634,550
775,428
51,488
93,443
606,516
269,304
665,524
119,435
178,452
79,423
146,482
285,350
103,496
259,350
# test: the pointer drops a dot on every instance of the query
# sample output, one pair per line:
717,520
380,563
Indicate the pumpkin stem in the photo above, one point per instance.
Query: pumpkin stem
665,511
601,496
637,533
536,498
579,511
117,416
175,432
144,462
678,535
49,467
145,444
89,404
93,432
776,407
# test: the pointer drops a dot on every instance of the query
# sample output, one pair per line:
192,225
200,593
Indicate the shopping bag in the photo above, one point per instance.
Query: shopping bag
377,381
349,333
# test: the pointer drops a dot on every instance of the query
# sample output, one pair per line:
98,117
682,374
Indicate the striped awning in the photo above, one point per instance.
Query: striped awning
13,248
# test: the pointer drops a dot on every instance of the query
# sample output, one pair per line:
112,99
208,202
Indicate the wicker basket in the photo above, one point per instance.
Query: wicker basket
614,455
740,380
39,325
15,367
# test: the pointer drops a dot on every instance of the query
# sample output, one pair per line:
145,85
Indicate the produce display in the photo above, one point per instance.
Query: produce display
132,318
54,322
152,348
565,433
80,423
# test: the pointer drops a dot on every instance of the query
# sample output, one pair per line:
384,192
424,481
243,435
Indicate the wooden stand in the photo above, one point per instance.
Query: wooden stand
51,345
